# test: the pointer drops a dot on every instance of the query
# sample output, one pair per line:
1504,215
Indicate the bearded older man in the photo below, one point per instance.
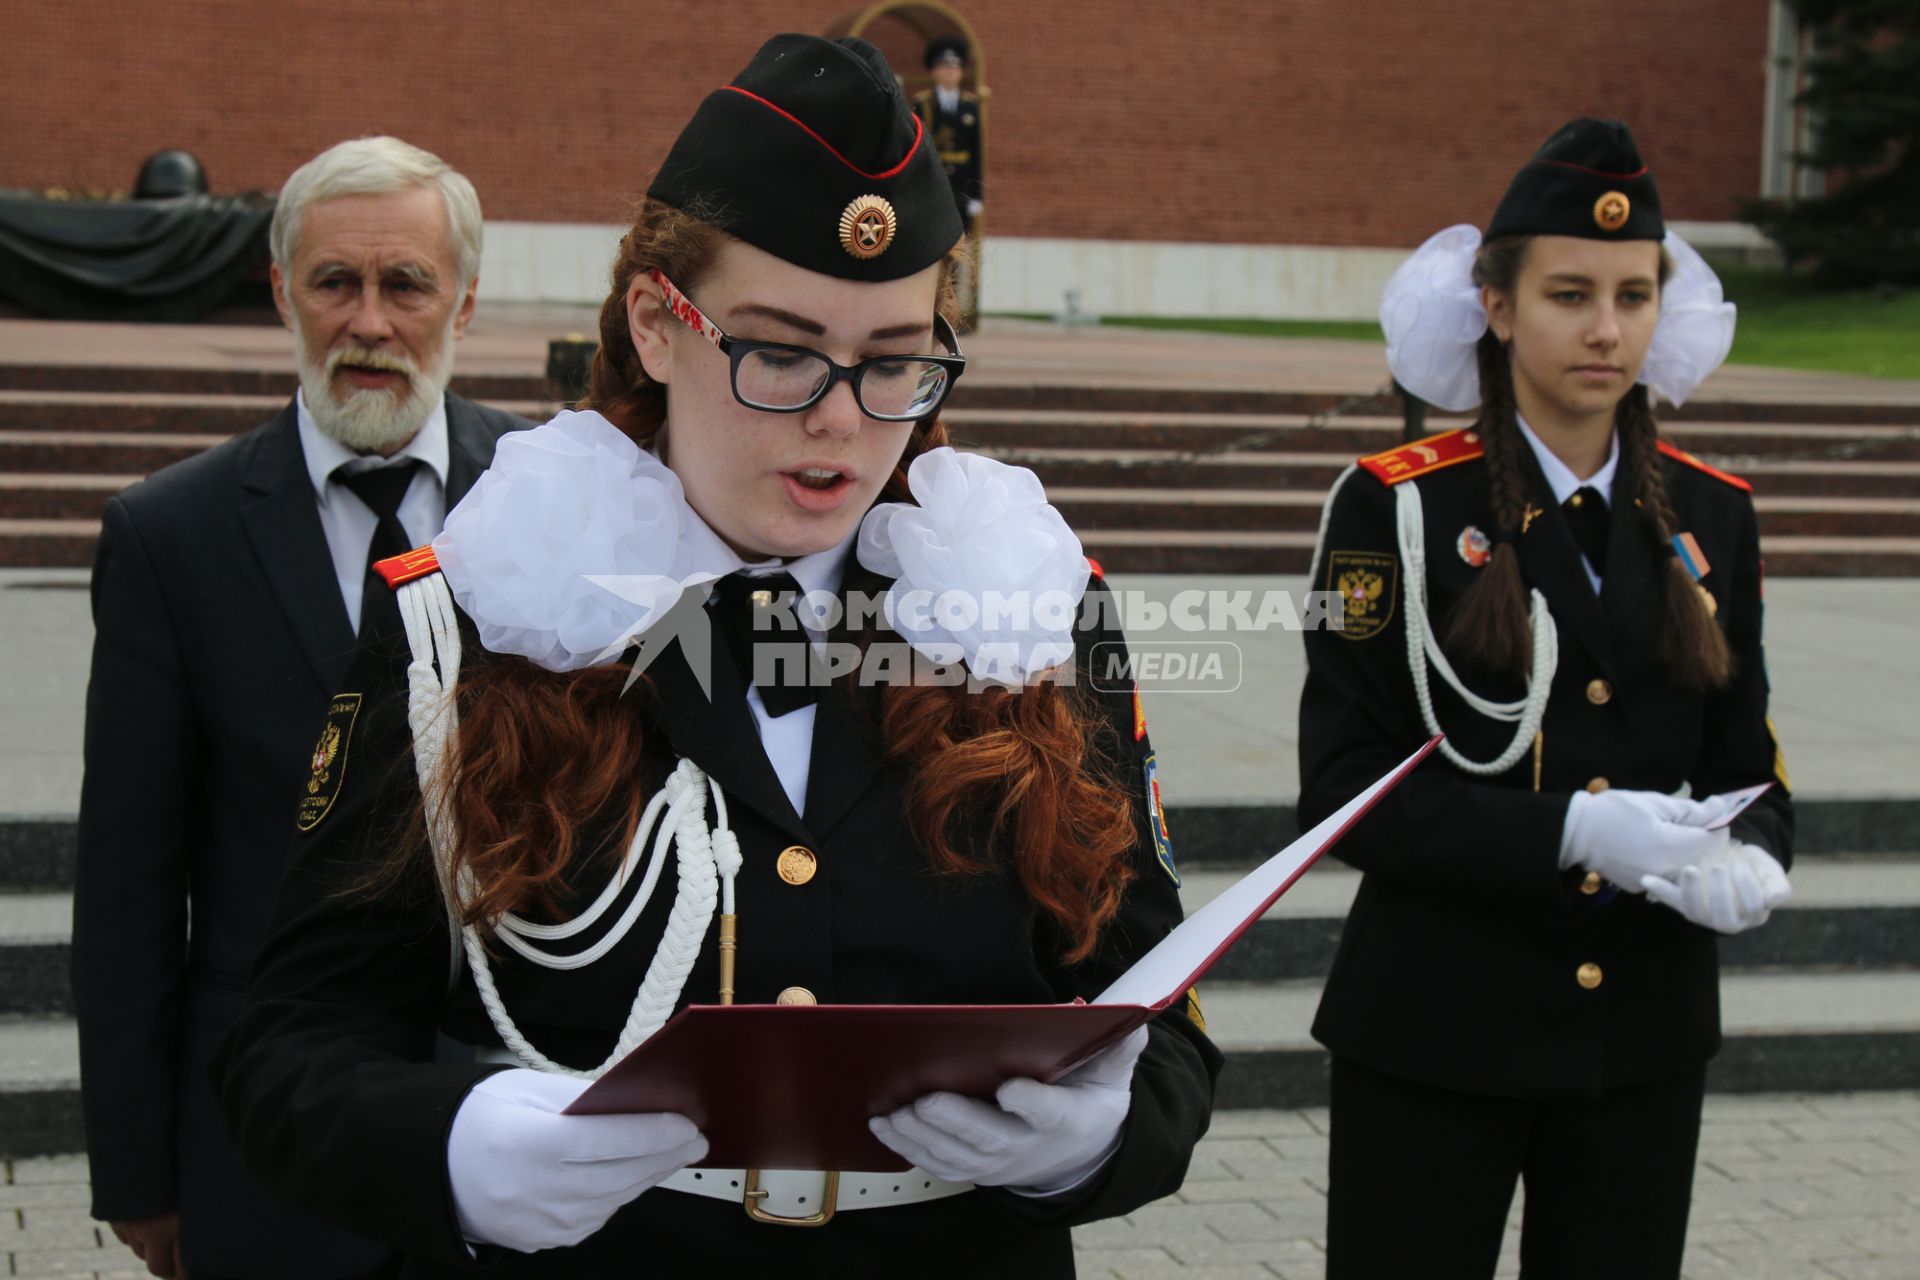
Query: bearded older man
229,592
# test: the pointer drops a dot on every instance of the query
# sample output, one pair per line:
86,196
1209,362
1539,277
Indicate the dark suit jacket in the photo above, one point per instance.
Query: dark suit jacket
219,634
326,1080
1459,962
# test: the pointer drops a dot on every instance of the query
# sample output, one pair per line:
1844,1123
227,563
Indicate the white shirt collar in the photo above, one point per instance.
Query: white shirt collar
1560,476
324,454
820,571
949,98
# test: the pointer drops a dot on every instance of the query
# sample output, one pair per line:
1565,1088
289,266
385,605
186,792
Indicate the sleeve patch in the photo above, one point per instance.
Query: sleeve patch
1364,581
1139,716
329,761
1157,819
1779,757
1194,1015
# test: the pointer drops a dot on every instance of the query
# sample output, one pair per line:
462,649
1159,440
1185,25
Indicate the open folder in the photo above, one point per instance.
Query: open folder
792,1086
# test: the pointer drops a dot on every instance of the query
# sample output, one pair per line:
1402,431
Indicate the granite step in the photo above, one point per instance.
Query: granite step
1784,1032
1804,1033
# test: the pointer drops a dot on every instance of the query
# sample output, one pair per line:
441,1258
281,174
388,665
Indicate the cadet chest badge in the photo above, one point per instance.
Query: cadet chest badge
328,767
867,226
1474,546
1610,211
1364,581
1157,819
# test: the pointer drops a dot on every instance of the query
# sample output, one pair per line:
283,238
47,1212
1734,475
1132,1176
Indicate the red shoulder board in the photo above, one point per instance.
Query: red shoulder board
1435,453
401,569
1681,455
1098,572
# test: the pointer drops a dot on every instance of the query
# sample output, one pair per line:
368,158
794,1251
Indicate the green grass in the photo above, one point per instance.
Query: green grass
1784,322
1787,323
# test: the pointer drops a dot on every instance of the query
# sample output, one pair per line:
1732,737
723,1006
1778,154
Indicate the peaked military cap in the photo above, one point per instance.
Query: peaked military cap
1587,181
814,155
946,51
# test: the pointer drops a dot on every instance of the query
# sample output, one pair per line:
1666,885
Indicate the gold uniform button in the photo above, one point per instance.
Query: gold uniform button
1599,692
1598,785
1589,976
795,995
797,864
1591,885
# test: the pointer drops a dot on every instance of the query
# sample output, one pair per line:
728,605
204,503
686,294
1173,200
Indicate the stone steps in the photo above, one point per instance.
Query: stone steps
1784,1032
1157,479
1825,997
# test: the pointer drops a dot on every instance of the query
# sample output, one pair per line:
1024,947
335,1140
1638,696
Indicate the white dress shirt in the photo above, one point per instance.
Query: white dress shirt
787,739
1565,484
348,522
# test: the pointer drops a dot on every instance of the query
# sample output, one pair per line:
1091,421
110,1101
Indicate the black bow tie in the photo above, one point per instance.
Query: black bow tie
1587,517
755,619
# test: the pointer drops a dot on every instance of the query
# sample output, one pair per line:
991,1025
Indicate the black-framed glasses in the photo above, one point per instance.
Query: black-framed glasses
779,377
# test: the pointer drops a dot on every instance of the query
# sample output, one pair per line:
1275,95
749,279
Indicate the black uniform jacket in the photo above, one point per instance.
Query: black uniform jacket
956,136
325,1078
1460,961
219,636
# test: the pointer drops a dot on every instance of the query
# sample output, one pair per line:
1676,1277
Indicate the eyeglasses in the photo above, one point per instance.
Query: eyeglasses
778,377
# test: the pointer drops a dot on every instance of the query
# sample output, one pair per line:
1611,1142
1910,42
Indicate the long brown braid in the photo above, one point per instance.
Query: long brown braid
1692,644
1490,628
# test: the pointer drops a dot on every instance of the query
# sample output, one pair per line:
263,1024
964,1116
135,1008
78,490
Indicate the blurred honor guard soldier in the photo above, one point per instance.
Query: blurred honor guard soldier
227,594
1527,984
762,419
952,117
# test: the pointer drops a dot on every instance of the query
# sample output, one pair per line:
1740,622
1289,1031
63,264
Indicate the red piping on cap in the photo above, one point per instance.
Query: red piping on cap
919,130
1641,172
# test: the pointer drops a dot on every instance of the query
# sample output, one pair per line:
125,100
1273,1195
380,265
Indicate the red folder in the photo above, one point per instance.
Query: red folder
792,1086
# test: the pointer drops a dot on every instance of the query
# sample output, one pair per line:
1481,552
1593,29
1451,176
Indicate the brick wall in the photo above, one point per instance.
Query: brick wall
1334,122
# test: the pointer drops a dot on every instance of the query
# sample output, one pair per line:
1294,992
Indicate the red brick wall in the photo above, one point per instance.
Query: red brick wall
1344,122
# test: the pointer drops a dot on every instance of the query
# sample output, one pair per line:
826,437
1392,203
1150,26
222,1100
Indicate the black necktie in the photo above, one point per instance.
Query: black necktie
381,488
755,615
1587,517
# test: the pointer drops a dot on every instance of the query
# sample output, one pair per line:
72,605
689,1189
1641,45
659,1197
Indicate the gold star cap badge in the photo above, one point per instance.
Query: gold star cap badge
1610,211
867,226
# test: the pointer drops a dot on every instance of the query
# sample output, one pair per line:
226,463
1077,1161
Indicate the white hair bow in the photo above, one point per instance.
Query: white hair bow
1433,320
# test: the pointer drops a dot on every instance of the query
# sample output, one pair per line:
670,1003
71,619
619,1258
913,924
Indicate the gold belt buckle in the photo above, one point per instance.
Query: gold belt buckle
755,1193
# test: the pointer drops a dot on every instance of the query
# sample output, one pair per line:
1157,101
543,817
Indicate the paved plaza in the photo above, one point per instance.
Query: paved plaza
1820,1187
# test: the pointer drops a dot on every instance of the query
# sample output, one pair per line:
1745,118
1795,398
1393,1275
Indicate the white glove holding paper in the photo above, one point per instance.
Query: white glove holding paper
526,1177
1629,835
1042,1139
1730,890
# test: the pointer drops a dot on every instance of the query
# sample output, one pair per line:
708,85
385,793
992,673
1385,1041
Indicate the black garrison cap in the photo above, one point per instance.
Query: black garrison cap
1587,181
813,155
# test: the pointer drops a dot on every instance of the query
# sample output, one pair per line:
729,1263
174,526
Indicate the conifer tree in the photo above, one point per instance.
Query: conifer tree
1863,100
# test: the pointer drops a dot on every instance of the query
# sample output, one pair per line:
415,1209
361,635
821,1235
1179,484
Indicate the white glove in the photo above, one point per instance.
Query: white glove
973,208
1731,889
1628,835
526,1177
1040,1140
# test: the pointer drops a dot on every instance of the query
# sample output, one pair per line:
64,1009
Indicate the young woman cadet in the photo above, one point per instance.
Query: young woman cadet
1526,987
763,422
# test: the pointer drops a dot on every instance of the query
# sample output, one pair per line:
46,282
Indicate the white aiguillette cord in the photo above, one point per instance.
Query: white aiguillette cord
1423,648
708,857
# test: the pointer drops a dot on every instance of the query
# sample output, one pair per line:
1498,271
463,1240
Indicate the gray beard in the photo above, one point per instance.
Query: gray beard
374,421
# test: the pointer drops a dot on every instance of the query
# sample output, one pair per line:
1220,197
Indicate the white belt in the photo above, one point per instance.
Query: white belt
809,1197
794,1197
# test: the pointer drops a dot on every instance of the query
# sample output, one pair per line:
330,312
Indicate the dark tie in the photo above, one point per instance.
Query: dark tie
755,614
381,488
1587,517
